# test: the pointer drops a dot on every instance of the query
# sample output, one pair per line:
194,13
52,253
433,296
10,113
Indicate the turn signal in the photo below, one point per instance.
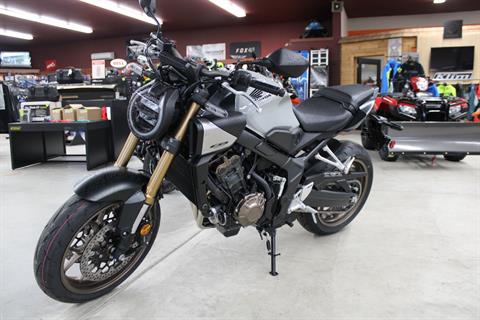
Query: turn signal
146,228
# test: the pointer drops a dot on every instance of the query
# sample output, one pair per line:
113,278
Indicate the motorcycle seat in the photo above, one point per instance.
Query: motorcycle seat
332,109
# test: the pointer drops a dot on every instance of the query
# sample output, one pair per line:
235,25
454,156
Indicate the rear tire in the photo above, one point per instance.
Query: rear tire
454,157
385,155
56,240
345,150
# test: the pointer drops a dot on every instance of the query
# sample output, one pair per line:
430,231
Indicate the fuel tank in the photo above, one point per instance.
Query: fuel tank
274,111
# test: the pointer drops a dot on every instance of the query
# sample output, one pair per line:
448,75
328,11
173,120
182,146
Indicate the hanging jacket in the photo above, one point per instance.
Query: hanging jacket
432,88
447,90
472,100
389,72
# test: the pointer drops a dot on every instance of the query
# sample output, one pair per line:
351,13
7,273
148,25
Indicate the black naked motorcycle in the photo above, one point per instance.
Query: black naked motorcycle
234,145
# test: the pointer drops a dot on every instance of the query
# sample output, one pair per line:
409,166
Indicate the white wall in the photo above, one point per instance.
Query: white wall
413,21
344,24
429,38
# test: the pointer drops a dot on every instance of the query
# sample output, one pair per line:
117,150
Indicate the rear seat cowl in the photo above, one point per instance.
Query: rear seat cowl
351,95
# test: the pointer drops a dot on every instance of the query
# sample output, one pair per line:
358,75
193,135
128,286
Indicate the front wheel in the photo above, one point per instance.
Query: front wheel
330,220
73,259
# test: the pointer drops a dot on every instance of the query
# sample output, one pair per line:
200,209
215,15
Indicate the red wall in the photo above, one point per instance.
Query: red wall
271,36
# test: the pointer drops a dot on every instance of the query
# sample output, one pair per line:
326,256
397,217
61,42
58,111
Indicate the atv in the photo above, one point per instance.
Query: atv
431,124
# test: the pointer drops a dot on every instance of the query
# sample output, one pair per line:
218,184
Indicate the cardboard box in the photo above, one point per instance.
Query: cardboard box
89,114
56,114
70,112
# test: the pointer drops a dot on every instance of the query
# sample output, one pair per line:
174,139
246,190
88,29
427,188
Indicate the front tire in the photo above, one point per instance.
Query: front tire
83,225
322,226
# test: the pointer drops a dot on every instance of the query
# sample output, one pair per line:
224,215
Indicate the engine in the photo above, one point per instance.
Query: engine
234,200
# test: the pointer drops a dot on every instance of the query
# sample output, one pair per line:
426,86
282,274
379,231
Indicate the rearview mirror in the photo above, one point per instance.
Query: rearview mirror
287,62
148,6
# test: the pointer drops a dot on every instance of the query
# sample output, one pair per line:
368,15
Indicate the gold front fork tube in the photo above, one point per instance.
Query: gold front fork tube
127,151
167,157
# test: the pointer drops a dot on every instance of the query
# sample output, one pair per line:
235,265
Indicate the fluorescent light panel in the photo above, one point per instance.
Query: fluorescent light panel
122,9
230,7
439,1
15,34
31,16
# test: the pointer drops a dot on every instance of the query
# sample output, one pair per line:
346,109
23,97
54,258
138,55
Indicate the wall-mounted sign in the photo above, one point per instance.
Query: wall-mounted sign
209,51
215,51
103,56
195,51
98,69
50,65
442,76
395,47
118,63
241,50
452,29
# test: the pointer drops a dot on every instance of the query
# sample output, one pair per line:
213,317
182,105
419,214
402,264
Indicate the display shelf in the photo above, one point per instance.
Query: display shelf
19,71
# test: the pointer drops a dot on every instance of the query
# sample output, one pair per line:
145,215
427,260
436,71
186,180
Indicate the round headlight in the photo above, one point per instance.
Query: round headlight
151,110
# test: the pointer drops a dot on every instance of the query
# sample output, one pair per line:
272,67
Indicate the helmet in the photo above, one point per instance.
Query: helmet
314,30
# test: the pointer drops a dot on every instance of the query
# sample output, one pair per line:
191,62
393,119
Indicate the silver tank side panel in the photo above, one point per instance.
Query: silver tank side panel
215,138
276,111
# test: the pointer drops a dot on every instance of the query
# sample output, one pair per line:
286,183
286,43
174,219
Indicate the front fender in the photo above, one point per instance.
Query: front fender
111,184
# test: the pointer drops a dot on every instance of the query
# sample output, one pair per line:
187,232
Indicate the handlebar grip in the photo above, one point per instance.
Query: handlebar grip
267,88
177,63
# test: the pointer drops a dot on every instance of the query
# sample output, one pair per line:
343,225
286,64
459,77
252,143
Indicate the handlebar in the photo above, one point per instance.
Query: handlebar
267,88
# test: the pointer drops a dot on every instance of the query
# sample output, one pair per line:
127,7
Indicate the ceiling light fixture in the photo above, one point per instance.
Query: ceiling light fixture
439,1
231,7
122,9
30,16
15,34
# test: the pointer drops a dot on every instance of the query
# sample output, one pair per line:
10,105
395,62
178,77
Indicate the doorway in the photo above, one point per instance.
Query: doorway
368,71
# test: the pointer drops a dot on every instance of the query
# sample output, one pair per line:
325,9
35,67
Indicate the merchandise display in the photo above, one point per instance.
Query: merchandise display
328,153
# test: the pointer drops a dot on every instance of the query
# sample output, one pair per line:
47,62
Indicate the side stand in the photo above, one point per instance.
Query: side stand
272,250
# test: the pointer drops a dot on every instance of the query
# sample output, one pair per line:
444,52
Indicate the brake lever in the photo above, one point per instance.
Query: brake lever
243,94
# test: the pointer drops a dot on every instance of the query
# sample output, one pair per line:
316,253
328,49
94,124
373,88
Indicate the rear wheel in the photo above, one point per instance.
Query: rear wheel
454,157
331,220
73,259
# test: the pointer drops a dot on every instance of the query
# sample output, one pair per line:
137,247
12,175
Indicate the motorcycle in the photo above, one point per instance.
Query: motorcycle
233,145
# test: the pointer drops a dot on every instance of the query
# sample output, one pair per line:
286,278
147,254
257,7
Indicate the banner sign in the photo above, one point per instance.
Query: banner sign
215,51
209,51
442,76
241,50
